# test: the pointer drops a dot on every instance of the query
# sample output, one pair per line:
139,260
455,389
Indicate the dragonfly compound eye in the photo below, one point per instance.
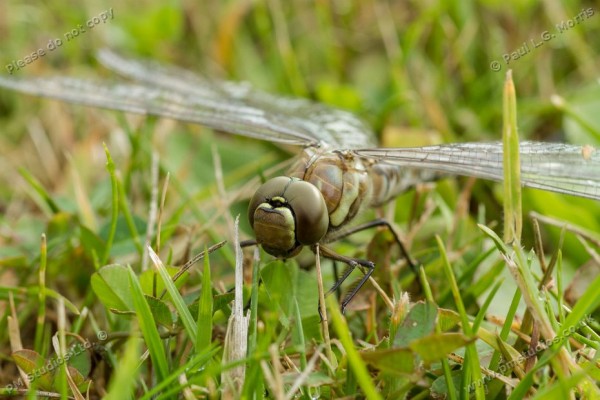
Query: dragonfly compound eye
287,213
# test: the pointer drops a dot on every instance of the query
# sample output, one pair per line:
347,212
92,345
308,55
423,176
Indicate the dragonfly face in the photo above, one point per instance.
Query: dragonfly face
286,214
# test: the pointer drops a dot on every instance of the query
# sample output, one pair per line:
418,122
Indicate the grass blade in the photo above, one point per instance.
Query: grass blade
357,365
110,167
121,386
184,313
471,364
205,309
148,328
513,213
41,316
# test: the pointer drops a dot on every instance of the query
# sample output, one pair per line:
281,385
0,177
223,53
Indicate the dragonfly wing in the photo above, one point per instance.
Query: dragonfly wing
555,167
316,121
227,106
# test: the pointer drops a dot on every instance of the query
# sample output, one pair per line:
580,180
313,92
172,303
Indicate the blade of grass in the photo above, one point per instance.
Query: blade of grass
153,209
286,50
41,315
560,103
148,328
506,327
561,389
253,384
445,365
59,343
14,336
193,366
323,310
357,365
38,188
122,383
513,213
161,209
124,207
488,300
33,292
471,365
254,304
584,306
310,366
178,301
559,357
205,309
110,167
298,334
85,210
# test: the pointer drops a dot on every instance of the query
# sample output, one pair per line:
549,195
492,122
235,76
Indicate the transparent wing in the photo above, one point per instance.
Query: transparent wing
556,167
227,106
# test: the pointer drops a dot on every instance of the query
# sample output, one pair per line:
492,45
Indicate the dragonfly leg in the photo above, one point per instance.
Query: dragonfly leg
372,224
352,264
248,243
357,287
336,277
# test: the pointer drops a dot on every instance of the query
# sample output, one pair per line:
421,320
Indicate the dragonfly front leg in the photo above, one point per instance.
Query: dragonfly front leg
248,243
352,263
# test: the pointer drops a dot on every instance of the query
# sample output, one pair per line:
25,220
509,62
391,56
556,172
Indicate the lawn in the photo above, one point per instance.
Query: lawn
114,278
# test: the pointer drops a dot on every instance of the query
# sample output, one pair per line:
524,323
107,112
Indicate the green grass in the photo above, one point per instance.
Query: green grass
77,193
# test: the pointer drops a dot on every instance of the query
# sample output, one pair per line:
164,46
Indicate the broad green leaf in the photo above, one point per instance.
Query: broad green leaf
39,371
278,284
160,310
77,377
394,361
220,303
581,117
439,345
306,292
91,243
111,285
419,323
448,319
123,243
439,387
314,379
78,357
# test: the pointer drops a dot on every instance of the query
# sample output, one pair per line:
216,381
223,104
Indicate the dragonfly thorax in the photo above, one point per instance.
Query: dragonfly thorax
286,214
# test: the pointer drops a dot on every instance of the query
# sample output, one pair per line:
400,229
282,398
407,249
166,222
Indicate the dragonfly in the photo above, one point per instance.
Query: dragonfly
340,171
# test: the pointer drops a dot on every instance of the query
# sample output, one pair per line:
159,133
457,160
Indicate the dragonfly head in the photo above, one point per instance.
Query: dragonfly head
286,214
